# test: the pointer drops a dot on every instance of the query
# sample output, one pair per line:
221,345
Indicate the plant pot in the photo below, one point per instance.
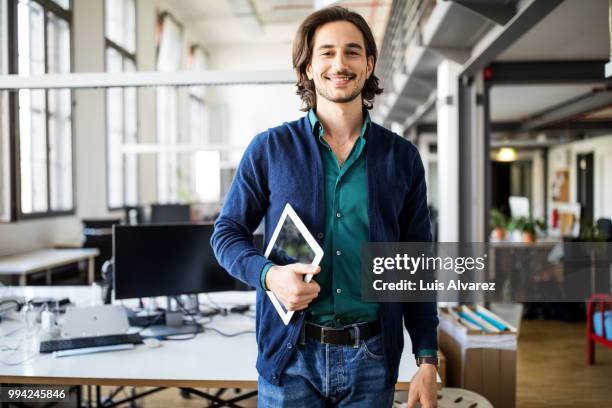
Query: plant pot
529,237
499,234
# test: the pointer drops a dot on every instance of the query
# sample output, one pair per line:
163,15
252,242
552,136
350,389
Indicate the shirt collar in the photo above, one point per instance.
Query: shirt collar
317,128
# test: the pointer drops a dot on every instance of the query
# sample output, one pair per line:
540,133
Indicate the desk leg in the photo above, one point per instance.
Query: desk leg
79,394
90,269
48,276
23,279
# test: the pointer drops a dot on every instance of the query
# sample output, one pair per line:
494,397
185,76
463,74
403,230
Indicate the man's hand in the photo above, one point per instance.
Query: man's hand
423,387
287,283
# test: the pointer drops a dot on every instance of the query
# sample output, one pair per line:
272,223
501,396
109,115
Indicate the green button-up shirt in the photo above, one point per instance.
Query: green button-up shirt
346,229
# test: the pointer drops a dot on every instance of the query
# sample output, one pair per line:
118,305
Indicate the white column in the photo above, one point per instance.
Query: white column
448,151
478,163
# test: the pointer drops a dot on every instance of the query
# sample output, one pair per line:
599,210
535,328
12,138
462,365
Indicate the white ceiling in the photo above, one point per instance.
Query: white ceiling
216,25
575,30
513,103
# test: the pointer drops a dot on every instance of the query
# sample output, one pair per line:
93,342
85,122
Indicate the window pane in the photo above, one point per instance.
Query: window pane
167,134
33,151
58,45
130,136
59,121
31,52
32,106
4,129
120,24
60,149
168,59
207,176
114,131
121,128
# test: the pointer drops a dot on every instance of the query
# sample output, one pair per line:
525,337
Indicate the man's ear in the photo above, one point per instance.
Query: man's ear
370,68
309,71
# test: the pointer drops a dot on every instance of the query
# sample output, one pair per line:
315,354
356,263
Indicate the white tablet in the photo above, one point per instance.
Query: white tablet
291,243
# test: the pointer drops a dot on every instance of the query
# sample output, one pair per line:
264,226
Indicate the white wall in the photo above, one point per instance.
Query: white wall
564,157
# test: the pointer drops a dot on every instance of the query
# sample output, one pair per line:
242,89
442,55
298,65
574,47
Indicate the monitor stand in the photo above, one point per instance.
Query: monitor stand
174,324
161,330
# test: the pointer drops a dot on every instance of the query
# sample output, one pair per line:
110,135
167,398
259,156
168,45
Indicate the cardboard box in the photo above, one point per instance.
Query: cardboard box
480,356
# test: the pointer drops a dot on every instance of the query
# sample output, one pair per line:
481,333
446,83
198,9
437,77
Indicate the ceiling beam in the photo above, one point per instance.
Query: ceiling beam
518,127
497,11
501,37
563,112
545,72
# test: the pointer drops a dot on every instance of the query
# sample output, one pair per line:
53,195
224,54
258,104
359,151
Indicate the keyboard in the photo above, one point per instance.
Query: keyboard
50,346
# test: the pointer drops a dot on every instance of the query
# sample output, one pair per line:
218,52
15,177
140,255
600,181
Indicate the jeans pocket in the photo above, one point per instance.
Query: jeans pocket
373,347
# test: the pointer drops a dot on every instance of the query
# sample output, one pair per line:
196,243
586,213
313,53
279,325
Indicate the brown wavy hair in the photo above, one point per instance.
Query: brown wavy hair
302,53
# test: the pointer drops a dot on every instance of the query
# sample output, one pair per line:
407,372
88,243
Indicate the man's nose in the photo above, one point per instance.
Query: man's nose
339,62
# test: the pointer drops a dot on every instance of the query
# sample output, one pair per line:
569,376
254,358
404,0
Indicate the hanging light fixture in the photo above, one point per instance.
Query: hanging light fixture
506,154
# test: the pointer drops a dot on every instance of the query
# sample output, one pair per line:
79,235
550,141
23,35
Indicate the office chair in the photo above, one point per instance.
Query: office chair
170,213
99,234
605,228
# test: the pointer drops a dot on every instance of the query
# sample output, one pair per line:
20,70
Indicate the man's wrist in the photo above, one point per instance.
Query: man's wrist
264,273
427,361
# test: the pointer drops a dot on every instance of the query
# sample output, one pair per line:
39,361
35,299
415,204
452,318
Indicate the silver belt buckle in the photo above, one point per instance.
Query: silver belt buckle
357,337
323,330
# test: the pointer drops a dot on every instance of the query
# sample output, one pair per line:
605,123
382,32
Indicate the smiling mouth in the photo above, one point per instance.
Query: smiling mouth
340,79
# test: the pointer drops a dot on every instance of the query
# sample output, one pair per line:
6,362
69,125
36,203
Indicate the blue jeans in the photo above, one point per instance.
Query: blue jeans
323,375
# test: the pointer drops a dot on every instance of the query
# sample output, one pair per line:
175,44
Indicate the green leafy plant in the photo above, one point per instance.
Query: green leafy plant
589,232
528,224
498,219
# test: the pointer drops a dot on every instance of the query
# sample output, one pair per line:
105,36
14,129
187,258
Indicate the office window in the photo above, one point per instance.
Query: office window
121,104
45,116
5,183
205,166
168,59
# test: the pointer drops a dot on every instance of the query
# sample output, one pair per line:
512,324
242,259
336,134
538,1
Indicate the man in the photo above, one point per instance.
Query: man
351,181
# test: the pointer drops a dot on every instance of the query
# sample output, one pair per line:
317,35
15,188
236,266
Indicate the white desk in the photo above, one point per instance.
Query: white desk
45,260
207,361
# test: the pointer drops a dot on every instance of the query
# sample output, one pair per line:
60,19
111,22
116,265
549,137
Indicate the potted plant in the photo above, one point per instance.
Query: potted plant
499,224
528,226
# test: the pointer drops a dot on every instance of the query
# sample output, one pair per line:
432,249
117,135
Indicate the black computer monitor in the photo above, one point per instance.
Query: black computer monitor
170,213
166,260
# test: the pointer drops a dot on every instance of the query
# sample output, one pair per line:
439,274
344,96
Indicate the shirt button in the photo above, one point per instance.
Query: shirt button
338,214
338,252
320,235
338,291
289,345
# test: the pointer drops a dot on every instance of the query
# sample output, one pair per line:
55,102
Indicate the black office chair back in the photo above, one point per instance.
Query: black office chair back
605,228
98,234
170,213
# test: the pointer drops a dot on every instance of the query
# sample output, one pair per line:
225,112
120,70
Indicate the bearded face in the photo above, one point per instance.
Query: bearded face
339,66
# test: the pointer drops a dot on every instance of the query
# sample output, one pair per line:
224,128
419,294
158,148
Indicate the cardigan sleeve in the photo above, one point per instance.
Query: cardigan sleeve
420,318
245,206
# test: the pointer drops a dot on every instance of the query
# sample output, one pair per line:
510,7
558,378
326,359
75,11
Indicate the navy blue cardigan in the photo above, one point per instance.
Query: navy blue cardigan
284,165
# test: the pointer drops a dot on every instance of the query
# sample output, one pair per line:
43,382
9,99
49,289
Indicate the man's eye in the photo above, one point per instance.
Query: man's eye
326,53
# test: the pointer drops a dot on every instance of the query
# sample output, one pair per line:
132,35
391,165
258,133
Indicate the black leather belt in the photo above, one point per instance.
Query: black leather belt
347,335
